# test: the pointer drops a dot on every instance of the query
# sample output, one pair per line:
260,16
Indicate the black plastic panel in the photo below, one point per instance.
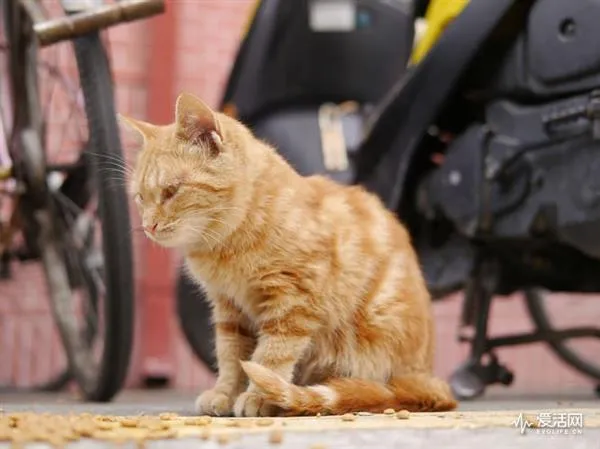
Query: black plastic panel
557,53
297,136
285,61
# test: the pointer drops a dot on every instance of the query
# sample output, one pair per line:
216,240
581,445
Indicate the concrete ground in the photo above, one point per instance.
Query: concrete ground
491,434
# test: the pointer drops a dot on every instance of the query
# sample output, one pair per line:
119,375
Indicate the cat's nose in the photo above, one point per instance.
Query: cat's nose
151,229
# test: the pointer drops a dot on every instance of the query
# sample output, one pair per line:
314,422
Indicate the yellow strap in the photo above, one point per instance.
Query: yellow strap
438,15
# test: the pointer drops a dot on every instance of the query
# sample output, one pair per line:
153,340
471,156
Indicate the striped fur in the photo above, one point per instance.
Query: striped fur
311,282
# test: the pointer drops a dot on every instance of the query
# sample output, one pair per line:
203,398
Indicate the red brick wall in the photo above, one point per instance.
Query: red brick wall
207,35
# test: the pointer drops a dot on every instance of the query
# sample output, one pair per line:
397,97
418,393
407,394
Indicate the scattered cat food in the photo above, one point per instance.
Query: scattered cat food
223,438
365,414
56,441
348,417
104,425
103,418
156,425
389,411
403,414
205,434
204,420
129,422
264,422
197,421
318,415
162,434
233,423
168,416
276,436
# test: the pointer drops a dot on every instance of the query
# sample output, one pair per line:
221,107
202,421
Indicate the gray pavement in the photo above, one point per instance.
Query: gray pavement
155,402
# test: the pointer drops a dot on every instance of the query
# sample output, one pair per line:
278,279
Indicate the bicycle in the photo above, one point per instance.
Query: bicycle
59,208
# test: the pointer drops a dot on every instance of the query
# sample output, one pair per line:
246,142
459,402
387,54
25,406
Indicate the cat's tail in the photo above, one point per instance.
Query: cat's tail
415,393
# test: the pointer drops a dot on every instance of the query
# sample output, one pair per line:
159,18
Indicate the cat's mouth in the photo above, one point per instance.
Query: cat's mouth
160,235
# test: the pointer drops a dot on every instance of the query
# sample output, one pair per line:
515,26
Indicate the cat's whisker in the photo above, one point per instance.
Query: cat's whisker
121,176
116,169
109,157
204,233
118,178
115,165
221,222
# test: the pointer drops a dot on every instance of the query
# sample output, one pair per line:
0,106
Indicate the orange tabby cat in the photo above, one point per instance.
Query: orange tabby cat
315,287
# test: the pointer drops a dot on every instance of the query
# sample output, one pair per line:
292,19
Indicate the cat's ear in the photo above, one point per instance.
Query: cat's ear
146,130
197,123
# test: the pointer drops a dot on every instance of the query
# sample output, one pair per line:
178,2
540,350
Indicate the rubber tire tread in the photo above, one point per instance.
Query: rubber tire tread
97,85
535,306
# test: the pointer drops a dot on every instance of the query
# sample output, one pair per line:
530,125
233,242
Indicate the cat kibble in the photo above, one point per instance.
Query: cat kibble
223,439
403,414
129,422
205,434
276,436
197,421
264,422
162,434
204,421
168,416
389,411
348,417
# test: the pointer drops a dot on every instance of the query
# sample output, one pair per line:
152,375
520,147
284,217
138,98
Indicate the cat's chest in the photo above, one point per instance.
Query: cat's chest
228,278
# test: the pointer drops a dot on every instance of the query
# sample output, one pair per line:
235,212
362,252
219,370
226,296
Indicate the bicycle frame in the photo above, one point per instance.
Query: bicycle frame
82,17
86,16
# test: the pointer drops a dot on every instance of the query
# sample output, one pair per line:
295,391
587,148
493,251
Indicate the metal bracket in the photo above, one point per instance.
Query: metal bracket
593,111
91,16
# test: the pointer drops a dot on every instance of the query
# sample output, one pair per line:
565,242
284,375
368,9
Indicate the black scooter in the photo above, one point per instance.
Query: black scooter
488,149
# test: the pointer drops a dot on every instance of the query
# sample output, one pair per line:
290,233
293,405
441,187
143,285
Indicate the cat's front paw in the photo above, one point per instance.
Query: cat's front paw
214,403
252,404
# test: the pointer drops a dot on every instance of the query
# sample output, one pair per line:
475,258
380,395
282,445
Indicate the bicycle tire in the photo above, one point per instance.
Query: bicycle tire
194,315
541,319
101,382
97,86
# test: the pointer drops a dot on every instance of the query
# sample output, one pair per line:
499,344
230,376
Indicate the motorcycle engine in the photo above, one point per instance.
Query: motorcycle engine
526,181
522,179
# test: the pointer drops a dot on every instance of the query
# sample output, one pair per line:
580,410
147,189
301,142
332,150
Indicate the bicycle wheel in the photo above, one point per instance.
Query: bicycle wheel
547,315
9,16
78,219
96,82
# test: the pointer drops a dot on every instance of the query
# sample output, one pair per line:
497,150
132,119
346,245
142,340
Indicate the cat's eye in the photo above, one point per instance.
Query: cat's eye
169,192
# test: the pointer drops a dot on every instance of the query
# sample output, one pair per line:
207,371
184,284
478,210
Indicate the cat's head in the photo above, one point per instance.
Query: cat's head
189,175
